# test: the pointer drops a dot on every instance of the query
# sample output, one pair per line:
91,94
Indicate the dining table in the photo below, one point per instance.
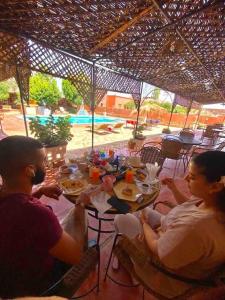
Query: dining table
190,141
143,201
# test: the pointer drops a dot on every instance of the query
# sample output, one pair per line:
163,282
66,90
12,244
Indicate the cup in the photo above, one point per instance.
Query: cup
111,153
95,174
91,171
129,176
145,187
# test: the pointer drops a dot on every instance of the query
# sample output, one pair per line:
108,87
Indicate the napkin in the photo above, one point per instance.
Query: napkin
152,170
100,201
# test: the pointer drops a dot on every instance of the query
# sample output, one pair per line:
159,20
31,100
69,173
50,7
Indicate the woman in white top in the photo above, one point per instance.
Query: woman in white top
190,239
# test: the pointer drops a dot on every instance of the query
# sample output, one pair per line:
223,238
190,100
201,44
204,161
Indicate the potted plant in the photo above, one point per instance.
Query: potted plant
138,138
137,133
54,134
166,130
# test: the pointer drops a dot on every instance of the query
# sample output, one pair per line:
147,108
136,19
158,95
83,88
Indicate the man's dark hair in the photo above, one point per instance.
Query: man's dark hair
15,152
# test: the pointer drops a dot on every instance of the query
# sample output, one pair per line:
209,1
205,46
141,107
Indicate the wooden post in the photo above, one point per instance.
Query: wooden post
92,98
139,105
22,78
171,114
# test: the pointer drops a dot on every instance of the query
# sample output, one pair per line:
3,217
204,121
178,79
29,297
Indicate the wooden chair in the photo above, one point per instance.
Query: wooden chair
69,284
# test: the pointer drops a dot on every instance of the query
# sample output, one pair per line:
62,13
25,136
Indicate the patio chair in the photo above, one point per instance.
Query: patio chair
209,134
69,283
151,154
187,133
171,148
201,149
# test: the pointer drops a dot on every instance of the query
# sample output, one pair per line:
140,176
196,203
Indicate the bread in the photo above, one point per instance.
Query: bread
141,176
127,191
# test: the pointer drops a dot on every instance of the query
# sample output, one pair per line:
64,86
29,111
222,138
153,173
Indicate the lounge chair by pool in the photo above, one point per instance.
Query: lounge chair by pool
102,128
117,126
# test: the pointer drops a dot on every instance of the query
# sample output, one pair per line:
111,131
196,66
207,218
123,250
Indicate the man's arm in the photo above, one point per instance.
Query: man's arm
51,191
70,246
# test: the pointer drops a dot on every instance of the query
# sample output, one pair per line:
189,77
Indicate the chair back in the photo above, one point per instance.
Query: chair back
221,146
151,154
71,281
218,125
208,132
187,132
171,147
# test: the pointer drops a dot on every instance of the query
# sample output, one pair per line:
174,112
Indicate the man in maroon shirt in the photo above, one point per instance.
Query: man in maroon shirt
31,238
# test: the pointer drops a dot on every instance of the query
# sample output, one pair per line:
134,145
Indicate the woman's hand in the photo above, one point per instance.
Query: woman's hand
143,217
169,182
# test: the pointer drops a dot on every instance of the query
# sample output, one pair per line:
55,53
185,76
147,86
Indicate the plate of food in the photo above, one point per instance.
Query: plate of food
140,175
73,186
126,191
135,162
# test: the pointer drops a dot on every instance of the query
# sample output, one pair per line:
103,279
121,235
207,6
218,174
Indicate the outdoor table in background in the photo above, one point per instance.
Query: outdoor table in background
190,141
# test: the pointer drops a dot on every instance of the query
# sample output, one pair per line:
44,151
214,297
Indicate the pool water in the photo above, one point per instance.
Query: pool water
83,120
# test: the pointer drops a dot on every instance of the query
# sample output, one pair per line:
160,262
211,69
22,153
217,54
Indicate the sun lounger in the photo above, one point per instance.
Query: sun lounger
116,126
102,128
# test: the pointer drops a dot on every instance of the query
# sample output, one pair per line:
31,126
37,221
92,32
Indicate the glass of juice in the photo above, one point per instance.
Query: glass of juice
129,176
95,174
111,153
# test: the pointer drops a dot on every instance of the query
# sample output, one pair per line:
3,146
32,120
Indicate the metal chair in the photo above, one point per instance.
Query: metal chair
209,134
172,149
72,280
201,149
151,154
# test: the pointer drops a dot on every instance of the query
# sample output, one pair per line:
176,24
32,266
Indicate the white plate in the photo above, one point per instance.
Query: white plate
70,190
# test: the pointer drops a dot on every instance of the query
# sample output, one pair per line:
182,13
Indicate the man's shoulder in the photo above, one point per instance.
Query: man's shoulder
23,203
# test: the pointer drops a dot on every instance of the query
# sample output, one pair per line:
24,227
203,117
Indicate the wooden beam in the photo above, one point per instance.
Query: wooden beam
187,44
121,29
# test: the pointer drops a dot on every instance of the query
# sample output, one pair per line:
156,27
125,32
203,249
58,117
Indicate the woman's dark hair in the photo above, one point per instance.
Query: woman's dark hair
212,166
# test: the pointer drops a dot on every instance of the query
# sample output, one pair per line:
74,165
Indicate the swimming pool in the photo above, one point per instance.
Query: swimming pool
83,120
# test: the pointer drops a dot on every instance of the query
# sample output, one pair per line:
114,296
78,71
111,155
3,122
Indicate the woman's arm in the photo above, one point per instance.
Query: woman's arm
178,195
151,238
150,235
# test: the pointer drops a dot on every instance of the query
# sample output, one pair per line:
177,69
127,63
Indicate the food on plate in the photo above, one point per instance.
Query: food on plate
73,184
140,175
127,191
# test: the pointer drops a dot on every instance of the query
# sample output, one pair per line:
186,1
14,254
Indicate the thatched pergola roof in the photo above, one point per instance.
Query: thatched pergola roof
178,45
